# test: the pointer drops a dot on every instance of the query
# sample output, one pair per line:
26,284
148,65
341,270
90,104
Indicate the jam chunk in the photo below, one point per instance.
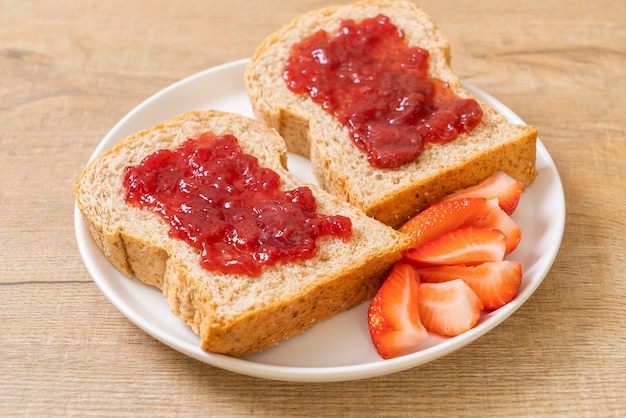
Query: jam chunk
221,202
379,88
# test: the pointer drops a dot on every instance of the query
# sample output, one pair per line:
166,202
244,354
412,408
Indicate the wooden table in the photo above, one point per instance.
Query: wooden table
69,70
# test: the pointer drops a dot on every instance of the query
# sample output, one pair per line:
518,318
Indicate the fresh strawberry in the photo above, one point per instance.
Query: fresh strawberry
448,308
393,315
494,217
468,245
437,220
499,185
495,283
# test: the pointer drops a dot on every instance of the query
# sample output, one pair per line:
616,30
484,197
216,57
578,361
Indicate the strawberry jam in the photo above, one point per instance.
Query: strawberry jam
379,88
221,202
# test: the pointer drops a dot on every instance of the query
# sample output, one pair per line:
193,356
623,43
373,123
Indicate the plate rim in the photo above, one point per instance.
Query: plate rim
308,373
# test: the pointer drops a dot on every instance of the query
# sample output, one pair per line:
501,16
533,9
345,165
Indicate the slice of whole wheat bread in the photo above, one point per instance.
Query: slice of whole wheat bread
233,314
389,195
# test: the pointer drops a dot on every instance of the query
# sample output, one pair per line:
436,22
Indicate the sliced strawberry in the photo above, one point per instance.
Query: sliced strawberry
393,315
495,283
437,220
499,185
494,217
469,245
448,308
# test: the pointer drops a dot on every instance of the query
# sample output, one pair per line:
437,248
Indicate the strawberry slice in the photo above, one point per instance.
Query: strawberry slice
494,217
448,308
495,283
437,220
469,245
393,315
499,185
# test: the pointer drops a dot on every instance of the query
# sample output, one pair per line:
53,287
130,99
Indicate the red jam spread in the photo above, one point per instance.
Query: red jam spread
221,202
378,87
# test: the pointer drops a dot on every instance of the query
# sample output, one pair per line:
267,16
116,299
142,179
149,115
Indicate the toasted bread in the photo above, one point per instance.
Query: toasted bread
389,195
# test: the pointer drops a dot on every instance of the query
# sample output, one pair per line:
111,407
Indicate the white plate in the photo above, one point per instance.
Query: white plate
339,348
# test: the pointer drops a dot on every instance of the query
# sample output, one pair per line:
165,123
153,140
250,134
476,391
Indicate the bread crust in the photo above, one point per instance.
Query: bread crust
389,195
232,314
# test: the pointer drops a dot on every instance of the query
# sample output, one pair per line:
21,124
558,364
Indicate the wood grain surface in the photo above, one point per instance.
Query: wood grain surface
70,69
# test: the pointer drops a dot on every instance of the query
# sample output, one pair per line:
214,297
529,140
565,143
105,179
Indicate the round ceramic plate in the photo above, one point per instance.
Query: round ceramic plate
339,348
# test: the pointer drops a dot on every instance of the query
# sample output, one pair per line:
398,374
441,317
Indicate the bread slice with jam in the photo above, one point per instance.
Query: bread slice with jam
390,195
233,313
